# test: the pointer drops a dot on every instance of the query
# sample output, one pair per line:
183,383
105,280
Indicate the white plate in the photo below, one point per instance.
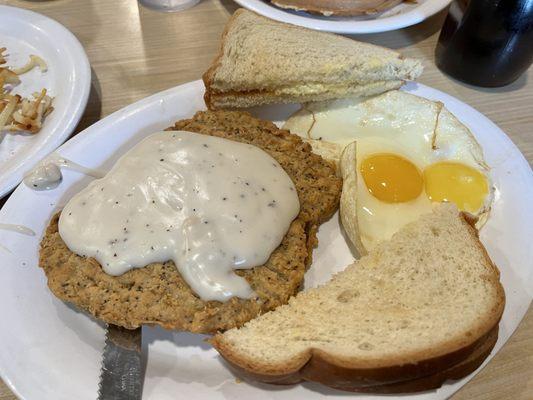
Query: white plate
400,16
50,351
68,79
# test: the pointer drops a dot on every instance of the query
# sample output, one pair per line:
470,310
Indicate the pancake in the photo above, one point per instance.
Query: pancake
341,8
157,294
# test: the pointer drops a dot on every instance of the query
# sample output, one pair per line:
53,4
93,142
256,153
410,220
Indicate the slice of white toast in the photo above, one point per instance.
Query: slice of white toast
263,61
414,306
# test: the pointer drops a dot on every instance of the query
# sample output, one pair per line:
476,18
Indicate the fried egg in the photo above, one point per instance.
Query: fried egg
409,154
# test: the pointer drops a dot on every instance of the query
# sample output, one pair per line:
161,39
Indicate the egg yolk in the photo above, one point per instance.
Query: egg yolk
391,178
456,183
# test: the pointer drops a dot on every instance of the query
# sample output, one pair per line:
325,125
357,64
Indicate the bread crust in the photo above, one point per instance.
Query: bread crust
434,381
232,99
341,8
208,75
317,366
456,371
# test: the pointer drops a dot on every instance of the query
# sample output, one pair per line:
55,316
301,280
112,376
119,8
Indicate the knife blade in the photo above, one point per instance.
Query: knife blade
121,373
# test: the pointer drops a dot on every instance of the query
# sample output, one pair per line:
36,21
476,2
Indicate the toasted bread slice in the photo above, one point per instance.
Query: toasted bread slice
263,61
344,8
414,306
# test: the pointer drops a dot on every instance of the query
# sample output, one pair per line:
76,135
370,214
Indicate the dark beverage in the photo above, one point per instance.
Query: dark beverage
487,42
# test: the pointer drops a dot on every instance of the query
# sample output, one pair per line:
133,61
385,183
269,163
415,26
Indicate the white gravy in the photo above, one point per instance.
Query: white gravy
209,204
47,175
18,228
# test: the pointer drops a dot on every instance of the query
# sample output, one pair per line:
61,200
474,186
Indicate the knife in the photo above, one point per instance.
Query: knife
121,373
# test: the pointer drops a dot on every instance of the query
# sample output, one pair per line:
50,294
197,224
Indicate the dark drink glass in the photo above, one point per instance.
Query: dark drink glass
486,42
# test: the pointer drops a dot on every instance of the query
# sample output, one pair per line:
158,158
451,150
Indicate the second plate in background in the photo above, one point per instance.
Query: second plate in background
400,16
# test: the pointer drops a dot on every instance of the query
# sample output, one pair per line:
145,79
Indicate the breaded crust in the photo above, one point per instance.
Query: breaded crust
157,294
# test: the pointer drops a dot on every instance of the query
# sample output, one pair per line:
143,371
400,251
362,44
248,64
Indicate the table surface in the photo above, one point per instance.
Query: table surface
135,52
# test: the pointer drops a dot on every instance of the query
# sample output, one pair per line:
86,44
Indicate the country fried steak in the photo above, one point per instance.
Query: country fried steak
157,294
